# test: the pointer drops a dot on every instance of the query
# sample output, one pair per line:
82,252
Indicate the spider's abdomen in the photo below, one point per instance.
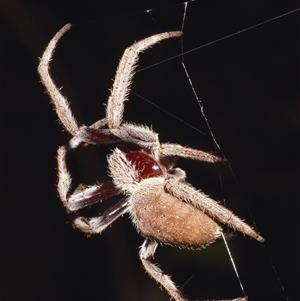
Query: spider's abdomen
161,216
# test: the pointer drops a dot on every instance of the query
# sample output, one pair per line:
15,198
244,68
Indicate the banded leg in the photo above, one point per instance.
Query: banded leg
81,197
99,223
93,134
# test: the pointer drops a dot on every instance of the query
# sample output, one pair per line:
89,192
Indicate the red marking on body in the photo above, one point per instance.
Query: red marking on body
146,165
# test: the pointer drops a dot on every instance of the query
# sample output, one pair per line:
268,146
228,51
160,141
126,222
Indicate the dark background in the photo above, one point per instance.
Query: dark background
249,85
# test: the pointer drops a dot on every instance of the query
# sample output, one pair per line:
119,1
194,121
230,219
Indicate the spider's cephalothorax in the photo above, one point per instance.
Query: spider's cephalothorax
163,206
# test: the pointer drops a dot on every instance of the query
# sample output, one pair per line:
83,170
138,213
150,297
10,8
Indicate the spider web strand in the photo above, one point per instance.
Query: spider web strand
233,265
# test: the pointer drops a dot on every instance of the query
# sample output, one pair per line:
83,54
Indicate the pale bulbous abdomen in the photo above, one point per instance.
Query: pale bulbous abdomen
165,218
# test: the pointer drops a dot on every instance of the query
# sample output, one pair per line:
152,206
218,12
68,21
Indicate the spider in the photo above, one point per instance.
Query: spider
163,207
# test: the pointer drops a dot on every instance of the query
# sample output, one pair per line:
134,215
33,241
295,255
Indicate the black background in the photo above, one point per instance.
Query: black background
249,85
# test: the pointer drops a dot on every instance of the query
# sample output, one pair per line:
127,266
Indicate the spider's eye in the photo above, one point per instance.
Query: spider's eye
144,164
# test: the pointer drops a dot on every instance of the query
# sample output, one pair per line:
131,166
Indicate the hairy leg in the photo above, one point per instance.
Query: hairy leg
188,193
124,75
99,223
82,196
146,255
170,149
60,102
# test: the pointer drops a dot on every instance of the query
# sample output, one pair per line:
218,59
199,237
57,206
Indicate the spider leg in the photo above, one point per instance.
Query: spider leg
124,75
170,149
99,223
142,136
60,102
146,255
82,196
86,196
91,134
188,193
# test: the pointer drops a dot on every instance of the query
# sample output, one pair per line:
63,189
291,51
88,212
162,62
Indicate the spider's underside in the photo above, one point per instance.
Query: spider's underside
162,205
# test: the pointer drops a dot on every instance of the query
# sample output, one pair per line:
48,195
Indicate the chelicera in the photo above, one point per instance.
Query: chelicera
163,207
